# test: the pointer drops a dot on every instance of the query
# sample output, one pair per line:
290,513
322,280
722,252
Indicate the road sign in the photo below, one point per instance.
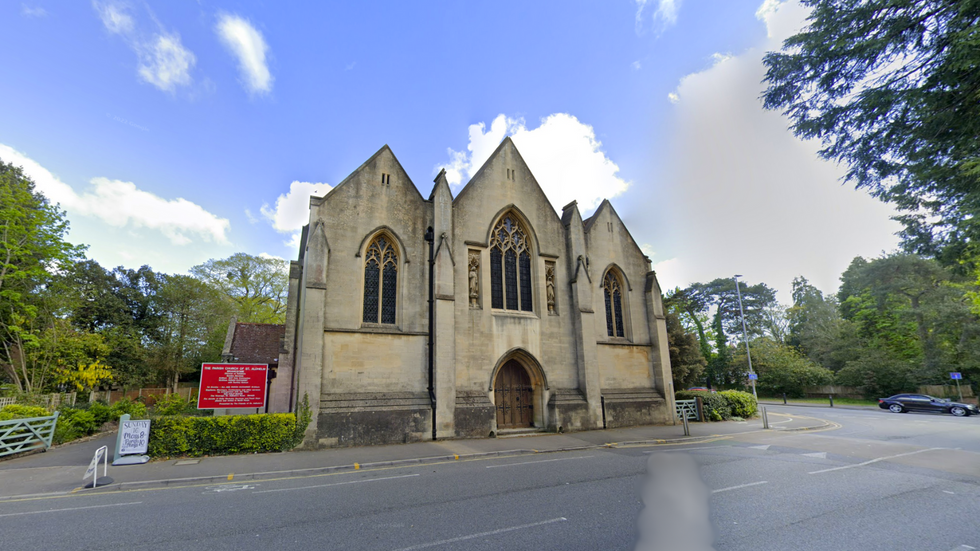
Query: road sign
232,386
955,375
753,376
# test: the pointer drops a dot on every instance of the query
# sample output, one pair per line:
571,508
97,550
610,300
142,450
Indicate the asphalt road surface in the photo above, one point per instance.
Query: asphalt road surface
880,481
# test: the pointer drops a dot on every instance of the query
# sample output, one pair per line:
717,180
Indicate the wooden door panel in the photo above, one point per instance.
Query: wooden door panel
513,397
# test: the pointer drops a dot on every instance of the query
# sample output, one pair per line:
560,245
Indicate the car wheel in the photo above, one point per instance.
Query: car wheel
896,408
959,411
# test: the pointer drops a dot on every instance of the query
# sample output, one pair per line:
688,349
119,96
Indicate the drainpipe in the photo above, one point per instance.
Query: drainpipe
430,238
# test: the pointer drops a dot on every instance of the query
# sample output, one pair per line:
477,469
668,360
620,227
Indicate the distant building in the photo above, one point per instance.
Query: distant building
541,321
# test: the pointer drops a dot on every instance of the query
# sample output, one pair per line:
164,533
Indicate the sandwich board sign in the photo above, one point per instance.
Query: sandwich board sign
132,441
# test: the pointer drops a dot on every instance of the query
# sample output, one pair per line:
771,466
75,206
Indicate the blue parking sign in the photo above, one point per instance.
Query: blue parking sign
955,376
753,376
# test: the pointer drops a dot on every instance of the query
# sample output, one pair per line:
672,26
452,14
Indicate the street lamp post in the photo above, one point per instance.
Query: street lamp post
745,336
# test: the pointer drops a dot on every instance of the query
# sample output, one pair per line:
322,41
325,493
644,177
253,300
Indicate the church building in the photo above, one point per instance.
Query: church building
413,318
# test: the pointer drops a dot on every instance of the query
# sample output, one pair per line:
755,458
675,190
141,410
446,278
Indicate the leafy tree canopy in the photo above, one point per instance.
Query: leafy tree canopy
257,286
890,87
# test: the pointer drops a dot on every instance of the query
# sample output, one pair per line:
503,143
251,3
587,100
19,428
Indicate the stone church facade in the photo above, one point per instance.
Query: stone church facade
539,321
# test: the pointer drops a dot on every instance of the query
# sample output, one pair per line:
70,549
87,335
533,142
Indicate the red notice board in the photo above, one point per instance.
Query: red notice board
232,386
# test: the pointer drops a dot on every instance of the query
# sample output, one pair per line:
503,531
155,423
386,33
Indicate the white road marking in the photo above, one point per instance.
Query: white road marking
872,461
949,492
336,484
482,534
540,461
763,447
740,486
963,547
818,455
70,509
688,449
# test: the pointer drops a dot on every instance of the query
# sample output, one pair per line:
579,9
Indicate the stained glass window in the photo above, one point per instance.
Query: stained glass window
526,282
380,281
496,284
510,266
510,278
613,293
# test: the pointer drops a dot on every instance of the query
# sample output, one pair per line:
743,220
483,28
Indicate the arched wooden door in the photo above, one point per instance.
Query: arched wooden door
512,396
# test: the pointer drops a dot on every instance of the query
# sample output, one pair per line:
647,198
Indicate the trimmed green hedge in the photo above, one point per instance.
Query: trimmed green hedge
720,406
172,436
743,404
20,411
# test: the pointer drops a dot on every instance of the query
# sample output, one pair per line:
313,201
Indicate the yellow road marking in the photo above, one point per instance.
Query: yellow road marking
231,476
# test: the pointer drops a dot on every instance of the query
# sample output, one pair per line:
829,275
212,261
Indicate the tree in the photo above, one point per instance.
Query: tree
256,286
890,88
194,320
909,311
686,361
816,328
32,248
781,368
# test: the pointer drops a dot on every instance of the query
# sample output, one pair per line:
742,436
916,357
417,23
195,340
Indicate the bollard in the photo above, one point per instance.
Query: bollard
784,398
831,400
765,419
687,429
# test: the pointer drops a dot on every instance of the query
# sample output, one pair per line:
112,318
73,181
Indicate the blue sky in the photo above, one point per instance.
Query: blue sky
174,132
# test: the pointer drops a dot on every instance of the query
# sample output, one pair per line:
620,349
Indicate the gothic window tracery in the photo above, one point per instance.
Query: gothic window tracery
380,281
613,293
510,266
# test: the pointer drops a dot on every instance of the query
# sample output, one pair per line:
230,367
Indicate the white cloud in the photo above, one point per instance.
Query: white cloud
247,44
665,14
636,65
292,210
748,197
121,204
563,154
114,17
163,61
28,11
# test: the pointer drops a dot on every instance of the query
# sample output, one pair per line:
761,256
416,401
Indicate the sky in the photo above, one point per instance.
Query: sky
174,132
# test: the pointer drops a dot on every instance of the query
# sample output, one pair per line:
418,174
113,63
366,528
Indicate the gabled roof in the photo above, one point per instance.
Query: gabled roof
606,205
384,150
507,141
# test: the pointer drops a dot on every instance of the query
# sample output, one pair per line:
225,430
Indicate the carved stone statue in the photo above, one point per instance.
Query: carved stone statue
474,281
550,278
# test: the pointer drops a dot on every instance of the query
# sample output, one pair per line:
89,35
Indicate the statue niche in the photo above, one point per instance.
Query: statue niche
474,278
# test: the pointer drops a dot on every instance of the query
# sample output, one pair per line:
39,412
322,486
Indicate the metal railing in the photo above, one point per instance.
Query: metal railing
21,435
687,409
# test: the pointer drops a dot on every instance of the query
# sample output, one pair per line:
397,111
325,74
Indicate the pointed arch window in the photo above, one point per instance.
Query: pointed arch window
510,266
613,292
380,281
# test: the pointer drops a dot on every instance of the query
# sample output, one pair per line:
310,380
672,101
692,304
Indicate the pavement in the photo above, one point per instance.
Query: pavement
59,471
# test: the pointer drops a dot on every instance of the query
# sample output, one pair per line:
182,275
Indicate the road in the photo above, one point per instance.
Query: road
879,481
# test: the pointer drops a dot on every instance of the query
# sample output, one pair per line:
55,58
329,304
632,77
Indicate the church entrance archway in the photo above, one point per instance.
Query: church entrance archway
513,396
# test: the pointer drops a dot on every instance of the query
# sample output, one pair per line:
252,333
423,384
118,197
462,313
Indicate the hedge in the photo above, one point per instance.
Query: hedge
19,411
720,406
172,435
743,404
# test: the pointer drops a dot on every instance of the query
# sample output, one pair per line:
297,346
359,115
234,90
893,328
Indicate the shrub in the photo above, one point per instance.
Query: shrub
136,410
742,404
302,421
716,406
195,436
74,423
172,404
101,412
20,411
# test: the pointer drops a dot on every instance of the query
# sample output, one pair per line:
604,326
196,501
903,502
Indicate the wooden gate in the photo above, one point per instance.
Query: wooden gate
513,397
